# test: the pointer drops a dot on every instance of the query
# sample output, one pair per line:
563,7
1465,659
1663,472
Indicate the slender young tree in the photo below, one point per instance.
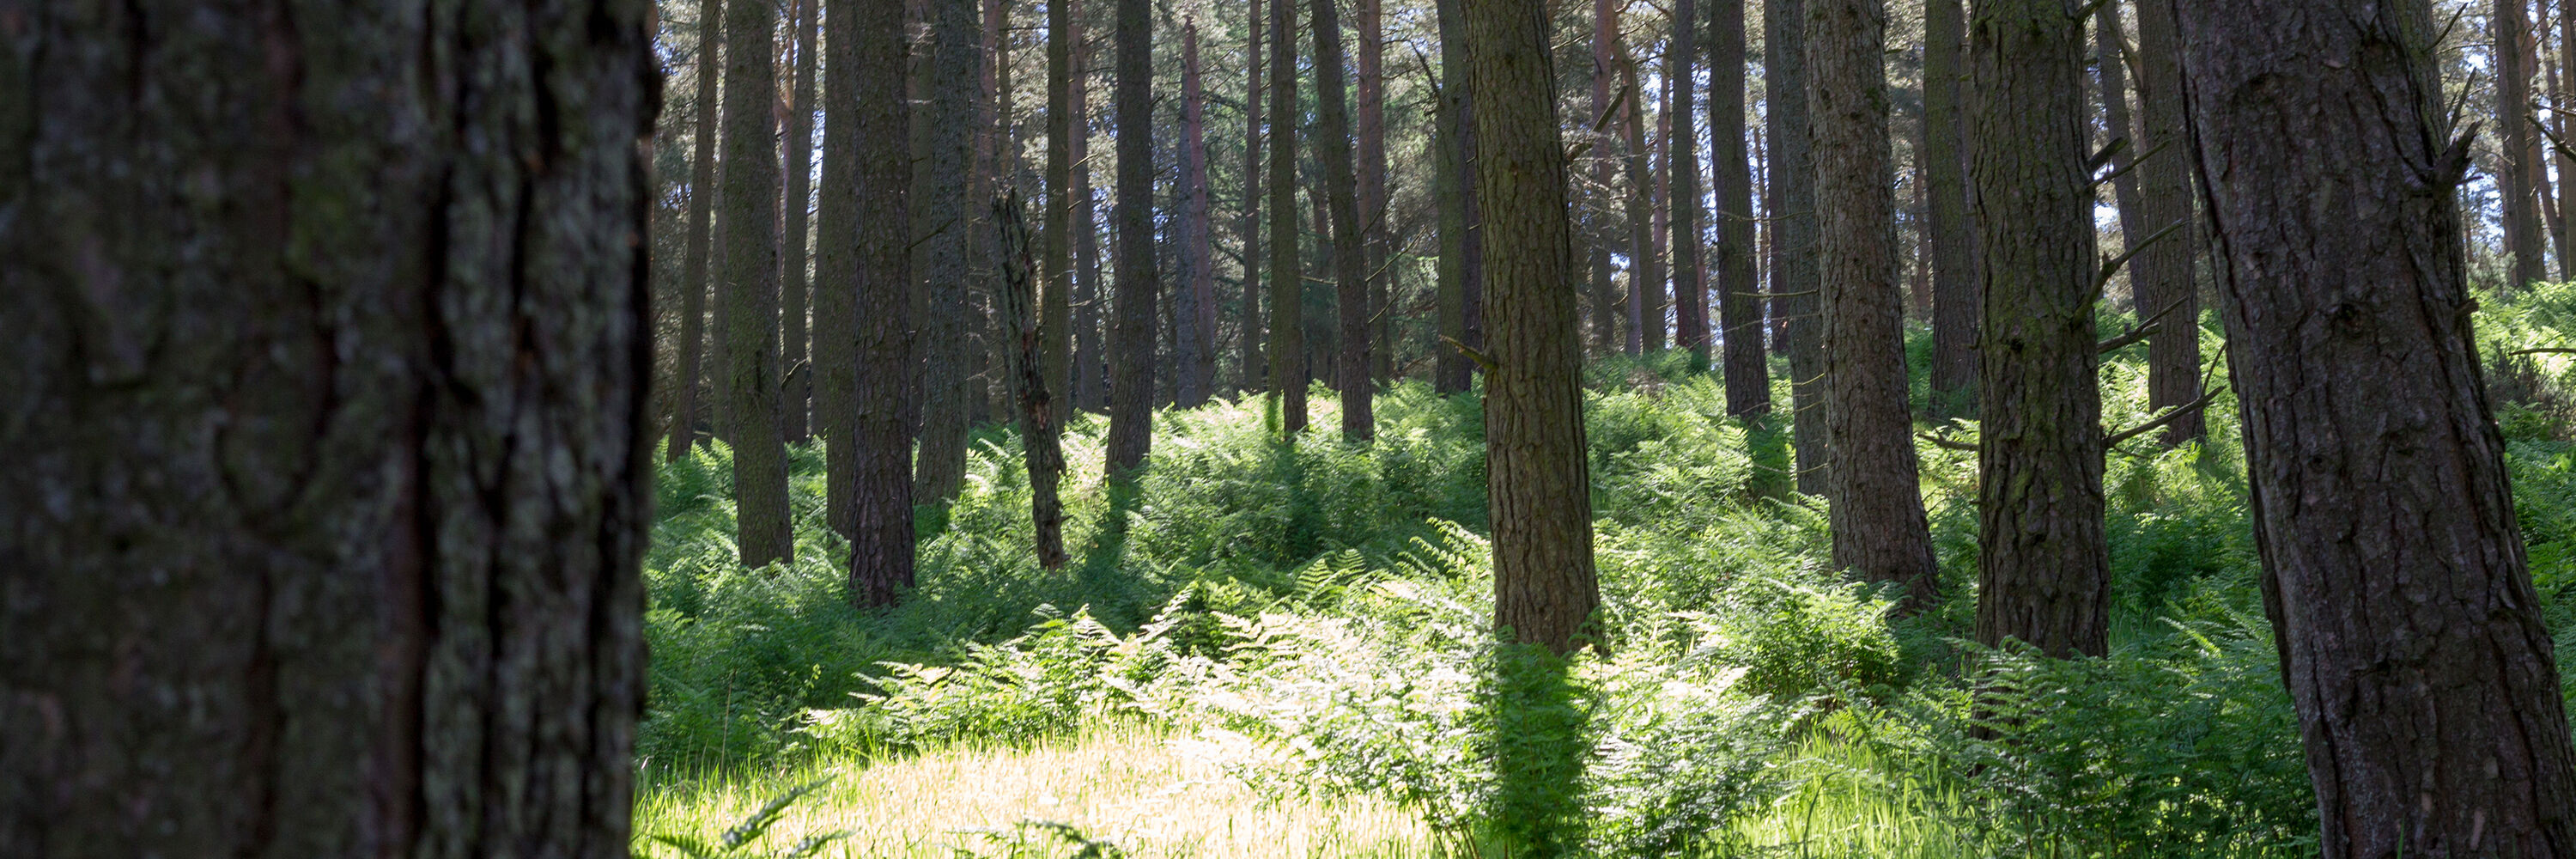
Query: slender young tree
1194,310
1131,342
1248,346
695,280
1794,280
1055,302
1287,276
1332,121
2412,647
2042,565
866,267
2161,272
1748,370
797,151
1957,291
750,311
1690,293
1041,429
325,540
1879,528
1537,479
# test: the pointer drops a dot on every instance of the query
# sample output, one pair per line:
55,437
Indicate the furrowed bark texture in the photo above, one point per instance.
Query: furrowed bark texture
750,310
1340,186
2162,273
1041,428
695,282
947,360
880,293
1538,484
2042,567
1879,528
2410,635
797,153
1794,283
1748,371
1131,341
1957,290
325,348
1287,275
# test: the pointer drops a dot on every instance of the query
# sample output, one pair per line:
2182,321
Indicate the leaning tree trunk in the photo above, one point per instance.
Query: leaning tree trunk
2042,564
798,152
2410,635
1690,293
1332,120
1538,484
1957,292
1287,276
1878,524
868,271
333,429
1041,427
1748,371
1194,310
2162,271
695,281
1131,342
1794,280
955,40
750,308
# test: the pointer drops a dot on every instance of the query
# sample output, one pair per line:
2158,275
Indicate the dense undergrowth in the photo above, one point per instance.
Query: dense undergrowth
1320,613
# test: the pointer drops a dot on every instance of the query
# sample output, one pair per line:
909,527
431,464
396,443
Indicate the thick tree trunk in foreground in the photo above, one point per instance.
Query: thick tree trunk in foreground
798,160
1248,348
2162,273
870,372
1958,294
1341,182
750,308
954,41
1194,310
1131,341
324,536
1794,280
2410,636
1879,529
1538,484
1748,371
2043,567
1690,295
695,281
1041,426
1287,275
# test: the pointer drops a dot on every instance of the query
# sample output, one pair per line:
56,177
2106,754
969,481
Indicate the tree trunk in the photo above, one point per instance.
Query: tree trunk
947,356
1879,529
1194,313
1287,275
1957,288
1131,343
2162,272
798,158
696,281
1748,373
750,312
1041,430
1370,62
1690,295
336,430
1090,388
1794,283
1248,375
2513,132
2412,645
1606,304
1644,267
1462,269
2113,85
1659,222
2042,566
1340,185
863,307
1055,302
1537,484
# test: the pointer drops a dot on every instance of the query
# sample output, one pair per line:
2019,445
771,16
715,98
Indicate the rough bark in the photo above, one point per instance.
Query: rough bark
1537,483
1794,283
1131,341
750,309
1194,310
2410,635
2042,567
1041,427
1748,372
332,428
1341,185
866,266
1957,289
1287,275
797,151
695,280
1690,293
947,356
2522,231
1248,375
1876,512
1055,301
2162,272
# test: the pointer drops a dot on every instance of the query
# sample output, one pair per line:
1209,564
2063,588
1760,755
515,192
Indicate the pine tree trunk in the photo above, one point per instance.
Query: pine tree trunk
1957,288
948,356
1055,301
1879,528
1748,372
1607,307
1194,313
863,307
750,311
1644,267
1287,275
1690,295
2162,272
2112,82
2042,563
2410,635
335,429
696,281
1131,342
1248,375
1370,62
2514,142
1794,283
1351,292
1090,388
1658,311
1041,426
798,158
1537,483
1462,257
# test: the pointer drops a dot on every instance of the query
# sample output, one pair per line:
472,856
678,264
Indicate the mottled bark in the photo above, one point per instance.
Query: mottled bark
2162,272
1131,340
1748,371
1879,529
2410,635
1041,427
1248,375
749,313
1794,283
1194,304
947,356
1690,293
797,156
695,280
1287,275
1351,292
1957,289
1537,480
864,318
2042,567
332,429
